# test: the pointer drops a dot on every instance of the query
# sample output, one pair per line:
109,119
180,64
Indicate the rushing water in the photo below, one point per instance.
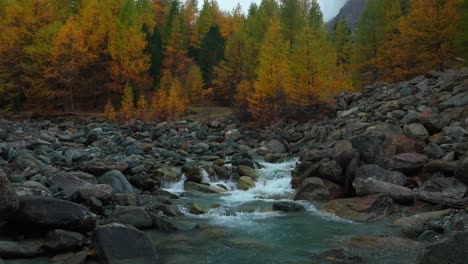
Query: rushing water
242,228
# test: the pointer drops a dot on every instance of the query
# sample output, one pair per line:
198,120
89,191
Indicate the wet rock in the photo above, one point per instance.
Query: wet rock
198,209
131,215
288,207
8,197
382,243
360,209
247,171
416,131
369,186
413,226
9,249
117,181
247,243
50,213
191,186
370,149
117,243
317,189
99,191
99,167
375,172
450,250
214,233
336,256
407,162
161,224
62,240
245,183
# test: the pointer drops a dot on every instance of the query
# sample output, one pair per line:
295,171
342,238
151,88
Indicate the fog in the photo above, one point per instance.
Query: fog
330,8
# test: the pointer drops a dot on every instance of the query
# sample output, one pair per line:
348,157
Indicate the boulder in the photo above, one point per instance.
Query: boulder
375,172
50,213
288,207
161,224
8,197
449,250
343,153
360,209
369,186
461,172
201,188
68,183
10,249
413,226
317,189
131,215
434,151
331,171
247,171
99,191
441,166
407,162
232,135
117,181
441,190
62,240
118,243
245,183
370,149
459,100
416,131
100,167
275,146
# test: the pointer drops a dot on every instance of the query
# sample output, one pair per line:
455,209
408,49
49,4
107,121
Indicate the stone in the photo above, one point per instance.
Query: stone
416,131
247,171
78,258
10,249
343,153
100,167
441,166
331,171
214,233
441,190
99,191
161,224
375,172
117,181
8,197
201,188
288,207
407,162
131,215
49,213
62,240
245,183
68,183
381,243
459,100
198,209
360,209
232,135
370,149
449,250
370,186
413,226
118,243
317,189
275,146
461,172
456,132
434,151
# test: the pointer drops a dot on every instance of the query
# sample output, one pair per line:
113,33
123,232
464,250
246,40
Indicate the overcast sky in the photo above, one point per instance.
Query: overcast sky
329,7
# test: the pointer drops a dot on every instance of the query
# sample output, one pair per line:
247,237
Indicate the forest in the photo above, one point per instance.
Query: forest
156,58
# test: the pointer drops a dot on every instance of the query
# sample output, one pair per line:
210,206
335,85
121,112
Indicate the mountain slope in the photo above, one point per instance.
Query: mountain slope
351,12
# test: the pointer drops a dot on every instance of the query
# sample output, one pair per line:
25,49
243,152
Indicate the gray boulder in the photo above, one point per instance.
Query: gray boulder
317,189
375,172
441,190
118,243
117,181
62,240
450,250
459,100
370,149
370,186
407,162
416,131
413,226
131,215
10,249
288,207
8,197
461,172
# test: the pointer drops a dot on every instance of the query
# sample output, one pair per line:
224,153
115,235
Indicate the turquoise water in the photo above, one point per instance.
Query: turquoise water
241,228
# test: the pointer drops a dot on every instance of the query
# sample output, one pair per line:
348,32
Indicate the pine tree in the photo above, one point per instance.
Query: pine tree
343,42
128,104
315,16
205,21
211,53
268,100
154,49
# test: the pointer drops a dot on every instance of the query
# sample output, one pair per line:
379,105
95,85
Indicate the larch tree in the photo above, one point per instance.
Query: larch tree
205,21
292,19
428,35
268,100
343,42
194,84
175,55
128,103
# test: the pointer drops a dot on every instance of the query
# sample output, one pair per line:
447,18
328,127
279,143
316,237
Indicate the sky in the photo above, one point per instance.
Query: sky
330,8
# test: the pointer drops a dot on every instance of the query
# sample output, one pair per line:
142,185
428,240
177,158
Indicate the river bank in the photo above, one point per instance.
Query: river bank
384,181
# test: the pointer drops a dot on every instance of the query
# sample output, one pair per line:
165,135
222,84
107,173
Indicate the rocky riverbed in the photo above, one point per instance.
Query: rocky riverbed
382,181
